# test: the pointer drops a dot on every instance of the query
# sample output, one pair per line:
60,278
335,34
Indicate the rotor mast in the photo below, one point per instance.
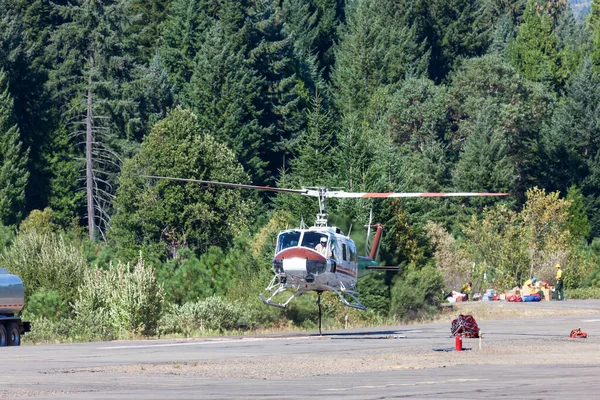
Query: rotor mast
322,216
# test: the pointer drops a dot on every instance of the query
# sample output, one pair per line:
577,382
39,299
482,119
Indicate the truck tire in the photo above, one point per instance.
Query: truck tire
13,335
3,335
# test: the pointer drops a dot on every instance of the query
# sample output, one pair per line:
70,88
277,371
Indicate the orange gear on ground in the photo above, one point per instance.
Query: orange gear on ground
578,333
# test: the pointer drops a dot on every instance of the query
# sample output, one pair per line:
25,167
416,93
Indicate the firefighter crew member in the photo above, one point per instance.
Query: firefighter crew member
530,285
560,294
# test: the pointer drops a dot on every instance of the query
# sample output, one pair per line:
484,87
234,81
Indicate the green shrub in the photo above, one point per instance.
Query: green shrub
417,293
211,314
375,292
46,303
44,330
46,261
219,314
583,293
180,319
60,330
121,300
7,236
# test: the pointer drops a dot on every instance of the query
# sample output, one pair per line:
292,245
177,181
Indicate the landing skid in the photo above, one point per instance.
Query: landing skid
276,287
280,305
356,304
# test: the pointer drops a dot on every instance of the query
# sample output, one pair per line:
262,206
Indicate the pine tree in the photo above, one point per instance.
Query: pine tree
502,35
484,164
577,119
24,34
571,139
225,92
573,44
516,107
494,10
91,60
151,93
313,26
579,224
594,28
272,57
13,160
315,161
458,34
378,47
590,188
181,39
535,50
149,16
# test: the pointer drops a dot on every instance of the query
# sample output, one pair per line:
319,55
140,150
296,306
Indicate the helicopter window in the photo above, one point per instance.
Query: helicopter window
352,253
288,239
335,251
312,239
344,251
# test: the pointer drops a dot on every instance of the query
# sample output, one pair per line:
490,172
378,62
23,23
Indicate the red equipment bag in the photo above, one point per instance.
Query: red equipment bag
465,326
578,333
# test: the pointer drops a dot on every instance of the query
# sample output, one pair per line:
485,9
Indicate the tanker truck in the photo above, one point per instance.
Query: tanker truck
12,300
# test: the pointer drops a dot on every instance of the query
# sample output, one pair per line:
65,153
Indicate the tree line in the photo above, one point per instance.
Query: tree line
379,95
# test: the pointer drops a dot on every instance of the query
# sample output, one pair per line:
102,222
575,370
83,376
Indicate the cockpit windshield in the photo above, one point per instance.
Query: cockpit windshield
305,239
312,239
288,239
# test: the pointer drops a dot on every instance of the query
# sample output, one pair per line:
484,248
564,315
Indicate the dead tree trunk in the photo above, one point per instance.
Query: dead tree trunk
89,141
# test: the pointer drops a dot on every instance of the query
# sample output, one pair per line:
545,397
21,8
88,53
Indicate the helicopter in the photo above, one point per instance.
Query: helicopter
321,258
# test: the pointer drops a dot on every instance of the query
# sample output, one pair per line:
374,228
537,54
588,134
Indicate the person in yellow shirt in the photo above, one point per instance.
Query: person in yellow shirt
560,295
466,289
530,285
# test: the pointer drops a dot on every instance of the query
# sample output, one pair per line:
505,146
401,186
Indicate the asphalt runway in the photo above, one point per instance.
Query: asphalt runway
520,358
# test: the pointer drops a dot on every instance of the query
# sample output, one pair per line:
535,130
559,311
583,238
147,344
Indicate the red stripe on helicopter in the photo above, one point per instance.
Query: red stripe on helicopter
346,271
299,252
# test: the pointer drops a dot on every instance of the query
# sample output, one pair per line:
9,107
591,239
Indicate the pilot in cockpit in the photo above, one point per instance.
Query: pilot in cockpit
322,246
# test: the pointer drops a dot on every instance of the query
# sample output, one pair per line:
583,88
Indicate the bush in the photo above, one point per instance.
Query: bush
44,330
46,261
417,294
7,236
583,293
211,314
47,303
375,292
60,330
123,301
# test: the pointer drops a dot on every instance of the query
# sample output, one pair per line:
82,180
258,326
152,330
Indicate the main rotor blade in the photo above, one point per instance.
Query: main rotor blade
231,185
386,195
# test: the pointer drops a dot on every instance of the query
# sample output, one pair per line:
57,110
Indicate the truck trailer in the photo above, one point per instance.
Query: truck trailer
12,301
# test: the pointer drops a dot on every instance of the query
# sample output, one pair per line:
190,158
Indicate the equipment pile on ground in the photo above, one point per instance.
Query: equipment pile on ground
465,326
578,333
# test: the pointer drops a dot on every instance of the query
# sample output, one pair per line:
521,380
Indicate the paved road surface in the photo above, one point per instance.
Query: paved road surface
520,358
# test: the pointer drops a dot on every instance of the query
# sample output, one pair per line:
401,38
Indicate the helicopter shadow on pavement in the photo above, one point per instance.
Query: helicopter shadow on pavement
380,334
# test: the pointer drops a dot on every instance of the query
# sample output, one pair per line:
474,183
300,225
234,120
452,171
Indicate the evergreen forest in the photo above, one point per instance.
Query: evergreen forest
365,95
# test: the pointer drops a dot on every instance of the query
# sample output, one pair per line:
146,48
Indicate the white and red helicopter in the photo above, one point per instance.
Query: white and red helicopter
321,258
